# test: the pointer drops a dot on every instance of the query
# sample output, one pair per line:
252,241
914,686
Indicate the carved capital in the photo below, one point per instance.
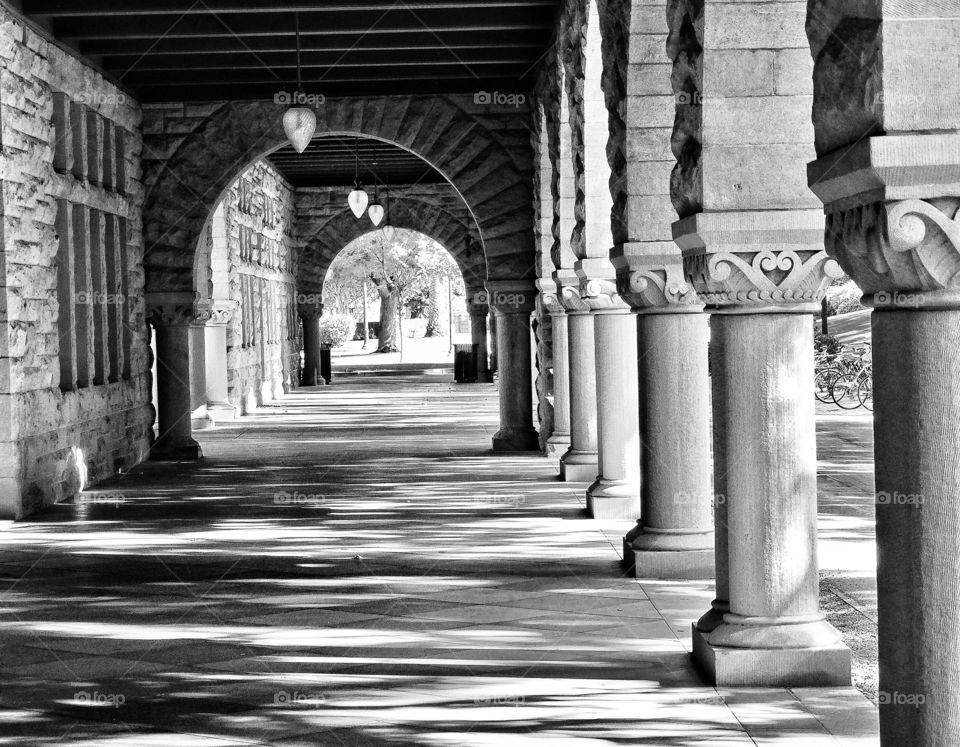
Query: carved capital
511,296
176,310
905,252
571,300
756,260
601,294
222,312
655,282
310,311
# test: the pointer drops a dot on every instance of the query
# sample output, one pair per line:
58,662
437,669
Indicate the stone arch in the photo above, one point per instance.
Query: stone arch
485,157
324,236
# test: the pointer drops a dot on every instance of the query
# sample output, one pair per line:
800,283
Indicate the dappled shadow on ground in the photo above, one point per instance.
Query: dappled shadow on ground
353,566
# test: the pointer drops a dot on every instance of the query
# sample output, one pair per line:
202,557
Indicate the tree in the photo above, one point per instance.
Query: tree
398,270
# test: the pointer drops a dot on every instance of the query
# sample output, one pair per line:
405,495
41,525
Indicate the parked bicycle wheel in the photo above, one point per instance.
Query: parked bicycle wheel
865,392
823,384
844,391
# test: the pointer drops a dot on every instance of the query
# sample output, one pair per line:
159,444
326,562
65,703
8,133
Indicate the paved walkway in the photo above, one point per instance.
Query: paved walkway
353,566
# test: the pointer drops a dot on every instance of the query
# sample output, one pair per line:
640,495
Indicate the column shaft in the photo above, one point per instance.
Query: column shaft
215,361
774,632
579,464
311,352
516,391
478,335
616,491
916,431
175,440
560,439
674,538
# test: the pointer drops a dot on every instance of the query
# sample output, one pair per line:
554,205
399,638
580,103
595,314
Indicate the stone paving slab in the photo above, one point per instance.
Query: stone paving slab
354,566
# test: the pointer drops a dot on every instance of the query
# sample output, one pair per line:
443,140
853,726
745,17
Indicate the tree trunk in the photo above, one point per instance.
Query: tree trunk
389,300
436,315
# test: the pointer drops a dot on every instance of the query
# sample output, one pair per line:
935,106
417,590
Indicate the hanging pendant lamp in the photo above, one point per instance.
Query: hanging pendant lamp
388,231
299,122
358,198
376,212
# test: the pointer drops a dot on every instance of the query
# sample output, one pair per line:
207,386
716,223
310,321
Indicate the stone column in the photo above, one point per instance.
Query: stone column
215,360
774,633
512,302
675,536
904,252
494,365
615,494
172,317
310,318
559,440
478,336
893,221
580,462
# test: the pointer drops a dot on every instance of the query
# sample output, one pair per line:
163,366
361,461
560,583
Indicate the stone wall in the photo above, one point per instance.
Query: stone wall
263,352
74,378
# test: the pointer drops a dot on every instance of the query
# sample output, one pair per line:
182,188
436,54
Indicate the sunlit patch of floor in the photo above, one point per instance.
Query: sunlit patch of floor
353,565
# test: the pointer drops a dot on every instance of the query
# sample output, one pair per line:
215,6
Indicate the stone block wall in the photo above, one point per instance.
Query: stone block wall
263,351
74,363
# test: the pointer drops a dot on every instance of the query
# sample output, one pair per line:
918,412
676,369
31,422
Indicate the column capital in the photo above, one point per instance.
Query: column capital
654,283
511,296
905,254
177,309
893,218
310,311
571,300
476,300
757,261
550,296
601,296
222,312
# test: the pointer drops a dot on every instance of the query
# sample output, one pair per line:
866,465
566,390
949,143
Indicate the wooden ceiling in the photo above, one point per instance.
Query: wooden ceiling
331,162
201,50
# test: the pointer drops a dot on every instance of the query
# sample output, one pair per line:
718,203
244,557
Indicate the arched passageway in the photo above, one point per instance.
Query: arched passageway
657,195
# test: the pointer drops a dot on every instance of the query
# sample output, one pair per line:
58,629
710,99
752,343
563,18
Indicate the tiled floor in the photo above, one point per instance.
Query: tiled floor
353,566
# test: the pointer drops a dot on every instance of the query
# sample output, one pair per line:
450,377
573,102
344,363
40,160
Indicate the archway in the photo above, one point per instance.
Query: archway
486,159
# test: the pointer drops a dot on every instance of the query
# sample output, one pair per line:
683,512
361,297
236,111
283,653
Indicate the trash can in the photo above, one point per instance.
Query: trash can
326,369
465,363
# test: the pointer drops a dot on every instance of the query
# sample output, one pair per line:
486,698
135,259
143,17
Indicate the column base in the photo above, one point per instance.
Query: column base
484,377
667,554
558,443
183,452
202,423
516,439
579,466
814,666
220,412
670,564
607,499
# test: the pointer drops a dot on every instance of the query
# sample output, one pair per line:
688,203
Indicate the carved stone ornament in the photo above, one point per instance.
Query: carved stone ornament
571,299
176,310
764,278
756,259
657,283
900,249
601,295
222,312
310,311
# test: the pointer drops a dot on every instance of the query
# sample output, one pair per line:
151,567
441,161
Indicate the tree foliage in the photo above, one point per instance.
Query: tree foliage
410,266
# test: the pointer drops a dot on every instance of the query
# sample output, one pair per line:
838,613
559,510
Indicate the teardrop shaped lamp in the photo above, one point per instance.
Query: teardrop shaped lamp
358,200
376,212
299,123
